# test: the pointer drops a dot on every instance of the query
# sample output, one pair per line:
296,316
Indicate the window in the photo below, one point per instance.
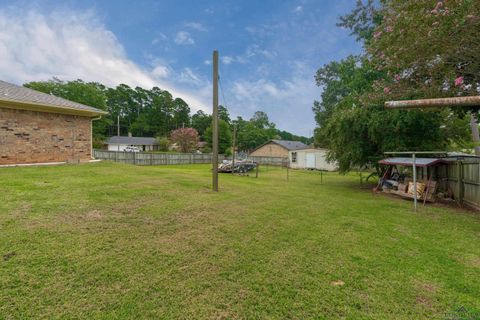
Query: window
294,157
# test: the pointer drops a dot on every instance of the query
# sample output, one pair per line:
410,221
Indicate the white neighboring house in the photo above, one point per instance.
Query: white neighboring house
310,158
117,143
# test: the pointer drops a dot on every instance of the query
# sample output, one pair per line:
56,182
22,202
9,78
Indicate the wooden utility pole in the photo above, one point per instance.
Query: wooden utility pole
234,141
215,123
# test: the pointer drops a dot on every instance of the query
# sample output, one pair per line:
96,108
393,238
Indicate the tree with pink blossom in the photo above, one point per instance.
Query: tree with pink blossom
185,138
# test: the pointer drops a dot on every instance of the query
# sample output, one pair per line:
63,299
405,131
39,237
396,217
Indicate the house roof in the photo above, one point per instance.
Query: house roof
311,149
290,145
136,141
419,162
25,98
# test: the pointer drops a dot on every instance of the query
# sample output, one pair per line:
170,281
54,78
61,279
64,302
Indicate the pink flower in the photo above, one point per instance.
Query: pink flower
386,90
377,34
398,77
389,29
439,5
459,81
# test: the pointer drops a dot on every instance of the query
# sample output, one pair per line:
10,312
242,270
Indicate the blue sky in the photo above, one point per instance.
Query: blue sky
269,50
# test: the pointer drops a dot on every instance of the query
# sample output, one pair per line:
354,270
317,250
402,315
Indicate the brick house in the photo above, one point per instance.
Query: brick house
277,148
39,128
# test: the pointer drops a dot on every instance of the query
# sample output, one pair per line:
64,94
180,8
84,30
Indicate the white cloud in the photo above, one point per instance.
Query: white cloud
227,59
188,76
161,37
161,71
196,25
67,45
298,9
184,38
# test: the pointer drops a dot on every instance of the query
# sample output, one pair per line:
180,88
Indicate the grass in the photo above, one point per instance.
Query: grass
111,241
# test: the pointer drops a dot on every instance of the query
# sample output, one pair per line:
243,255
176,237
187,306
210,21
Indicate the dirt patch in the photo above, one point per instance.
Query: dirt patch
337,283
9,255
471,260
93,215
424,301
426,293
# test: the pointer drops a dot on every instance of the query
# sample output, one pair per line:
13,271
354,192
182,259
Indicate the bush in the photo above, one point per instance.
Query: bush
163,143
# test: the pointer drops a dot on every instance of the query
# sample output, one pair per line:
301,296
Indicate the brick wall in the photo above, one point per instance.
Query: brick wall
270,150
34,137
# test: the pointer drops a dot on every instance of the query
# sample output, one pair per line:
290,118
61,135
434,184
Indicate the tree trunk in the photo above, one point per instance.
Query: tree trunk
475,133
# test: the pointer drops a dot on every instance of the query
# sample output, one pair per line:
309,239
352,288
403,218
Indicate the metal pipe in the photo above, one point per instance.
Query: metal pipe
473,101
414,158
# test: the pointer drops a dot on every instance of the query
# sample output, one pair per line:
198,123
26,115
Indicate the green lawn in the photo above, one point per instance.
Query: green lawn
117,241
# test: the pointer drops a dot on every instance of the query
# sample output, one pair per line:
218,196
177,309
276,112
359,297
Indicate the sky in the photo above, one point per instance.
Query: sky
269,50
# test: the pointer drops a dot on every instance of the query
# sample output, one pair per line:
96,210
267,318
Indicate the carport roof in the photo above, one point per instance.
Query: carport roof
419,162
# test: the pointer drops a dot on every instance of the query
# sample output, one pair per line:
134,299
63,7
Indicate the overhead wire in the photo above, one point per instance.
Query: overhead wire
223,93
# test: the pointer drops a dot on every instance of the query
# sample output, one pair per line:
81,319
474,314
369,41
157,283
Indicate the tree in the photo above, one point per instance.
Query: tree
185,138
163,143
224,137
201,121
260,119
429,49
355,126
223,114
352,121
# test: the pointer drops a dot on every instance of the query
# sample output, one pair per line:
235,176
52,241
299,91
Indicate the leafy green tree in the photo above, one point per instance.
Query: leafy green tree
223,114
352,121
356,127
201,121
181,113
163,143
224,137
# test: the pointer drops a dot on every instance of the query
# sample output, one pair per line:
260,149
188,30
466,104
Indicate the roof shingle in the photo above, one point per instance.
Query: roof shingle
14,93
291,145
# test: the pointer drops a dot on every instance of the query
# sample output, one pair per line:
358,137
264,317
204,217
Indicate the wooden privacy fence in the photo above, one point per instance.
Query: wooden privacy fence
464,180
152,159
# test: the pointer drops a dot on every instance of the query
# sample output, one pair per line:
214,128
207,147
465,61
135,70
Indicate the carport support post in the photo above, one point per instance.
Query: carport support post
414,181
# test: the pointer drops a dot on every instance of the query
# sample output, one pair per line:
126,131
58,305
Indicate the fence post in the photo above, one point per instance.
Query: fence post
134,158
460,182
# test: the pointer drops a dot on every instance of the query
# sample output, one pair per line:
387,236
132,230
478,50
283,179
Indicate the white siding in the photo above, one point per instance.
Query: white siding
320,159
117,147
121,147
